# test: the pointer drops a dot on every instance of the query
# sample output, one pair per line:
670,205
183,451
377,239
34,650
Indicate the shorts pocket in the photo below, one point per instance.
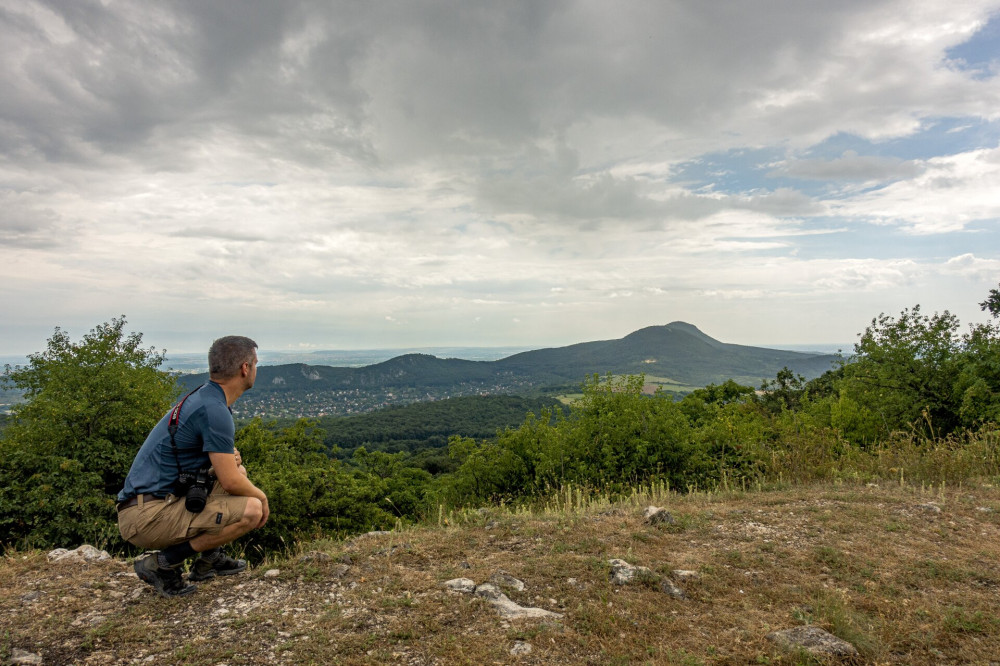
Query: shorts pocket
126,526
212,519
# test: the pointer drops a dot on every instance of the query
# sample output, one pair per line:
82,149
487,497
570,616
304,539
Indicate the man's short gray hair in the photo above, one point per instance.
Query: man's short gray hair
227,354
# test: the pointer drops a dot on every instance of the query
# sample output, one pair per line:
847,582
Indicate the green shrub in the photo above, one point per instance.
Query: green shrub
66,450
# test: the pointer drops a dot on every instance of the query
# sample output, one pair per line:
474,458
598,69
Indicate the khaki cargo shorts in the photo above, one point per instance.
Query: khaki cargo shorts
161,523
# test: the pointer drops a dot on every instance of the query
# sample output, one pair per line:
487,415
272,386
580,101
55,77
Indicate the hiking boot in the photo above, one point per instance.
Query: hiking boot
168,582
215,563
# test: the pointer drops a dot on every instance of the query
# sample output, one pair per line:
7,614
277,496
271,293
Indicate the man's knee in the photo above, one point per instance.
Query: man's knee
253,512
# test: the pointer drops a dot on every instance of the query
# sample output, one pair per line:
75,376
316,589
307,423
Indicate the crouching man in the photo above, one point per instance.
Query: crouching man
187,493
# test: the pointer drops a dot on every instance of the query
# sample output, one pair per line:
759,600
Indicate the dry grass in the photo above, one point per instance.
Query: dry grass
877,566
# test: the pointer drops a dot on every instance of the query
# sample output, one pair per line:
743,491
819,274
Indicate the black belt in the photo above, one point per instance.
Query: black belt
132,501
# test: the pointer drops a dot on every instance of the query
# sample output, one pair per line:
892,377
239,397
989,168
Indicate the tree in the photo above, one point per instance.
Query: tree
979,383
785,392
902,377
66,450
992,303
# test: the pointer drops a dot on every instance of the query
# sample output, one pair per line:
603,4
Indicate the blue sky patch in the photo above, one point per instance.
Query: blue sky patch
981,53
941,136
745,171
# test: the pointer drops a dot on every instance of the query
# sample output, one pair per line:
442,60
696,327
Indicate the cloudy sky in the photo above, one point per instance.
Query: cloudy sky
346,175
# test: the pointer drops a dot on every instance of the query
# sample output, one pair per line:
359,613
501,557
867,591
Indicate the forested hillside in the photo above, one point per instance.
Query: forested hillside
676,357
423,429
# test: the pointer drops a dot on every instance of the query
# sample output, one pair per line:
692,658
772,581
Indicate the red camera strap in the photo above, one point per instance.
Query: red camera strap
175,414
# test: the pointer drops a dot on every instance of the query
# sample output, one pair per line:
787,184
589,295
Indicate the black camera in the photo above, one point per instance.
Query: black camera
194,487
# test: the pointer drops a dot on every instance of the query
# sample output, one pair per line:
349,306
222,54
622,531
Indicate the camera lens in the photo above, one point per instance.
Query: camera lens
196,499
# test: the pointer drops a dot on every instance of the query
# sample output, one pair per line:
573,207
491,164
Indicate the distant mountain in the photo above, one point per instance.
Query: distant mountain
675,354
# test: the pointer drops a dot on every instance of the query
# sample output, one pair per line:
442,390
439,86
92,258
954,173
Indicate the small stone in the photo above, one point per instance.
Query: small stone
56,555
272,573
85,553
488,591
622,572
463,585
655,515
510,610
18,656
930,506
504,579
670,588
315,556
814,640
520,647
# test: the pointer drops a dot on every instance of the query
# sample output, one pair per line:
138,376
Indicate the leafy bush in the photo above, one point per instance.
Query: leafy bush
916,374
66,450
614,438
308,492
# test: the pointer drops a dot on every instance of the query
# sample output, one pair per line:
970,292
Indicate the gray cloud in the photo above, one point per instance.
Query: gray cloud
851,167
25,222
222,234
415,80
782,202
556,198
433,162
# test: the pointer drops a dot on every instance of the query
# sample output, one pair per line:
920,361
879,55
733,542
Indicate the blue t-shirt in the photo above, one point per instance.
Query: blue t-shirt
205,424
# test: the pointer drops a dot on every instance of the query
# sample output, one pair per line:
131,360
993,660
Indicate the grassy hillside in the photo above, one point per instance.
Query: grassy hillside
907,575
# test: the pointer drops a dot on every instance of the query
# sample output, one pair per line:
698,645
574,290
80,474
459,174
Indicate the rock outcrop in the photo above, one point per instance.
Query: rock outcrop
500,601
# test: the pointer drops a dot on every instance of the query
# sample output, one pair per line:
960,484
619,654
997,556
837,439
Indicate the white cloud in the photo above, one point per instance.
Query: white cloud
970,266
951,192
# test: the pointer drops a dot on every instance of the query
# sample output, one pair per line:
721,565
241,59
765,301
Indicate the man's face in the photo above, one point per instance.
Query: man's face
251,372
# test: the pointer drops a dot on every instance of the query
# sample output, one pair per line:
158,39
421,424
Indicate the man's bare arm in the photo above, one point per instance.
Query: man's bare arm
236,483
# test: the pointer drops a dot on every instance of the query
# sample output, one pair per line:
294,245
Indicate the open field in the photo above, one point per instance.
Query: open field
907,575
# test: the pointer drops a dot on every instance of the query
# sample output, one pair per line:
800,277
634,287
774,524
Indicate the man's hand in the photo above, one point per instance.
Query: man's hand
239,461
267,512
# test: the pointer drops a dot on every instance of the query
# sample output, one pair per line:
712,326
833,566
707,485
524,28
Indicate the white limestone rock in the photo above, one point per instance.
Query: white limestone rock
85,553
463,585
